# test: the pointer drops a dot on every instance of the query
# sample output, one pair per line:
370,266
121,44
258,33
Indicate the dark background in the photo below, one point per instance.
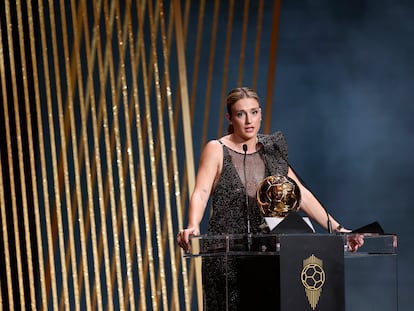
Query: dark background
343,98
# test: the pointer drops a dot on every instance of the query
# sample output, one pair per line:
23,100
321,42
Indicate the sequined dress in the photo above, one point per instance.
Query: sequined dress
229,212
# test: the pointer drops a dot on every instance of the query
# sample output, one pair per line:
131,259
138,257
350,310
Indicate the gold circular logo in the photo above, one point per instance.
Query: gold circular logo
313,276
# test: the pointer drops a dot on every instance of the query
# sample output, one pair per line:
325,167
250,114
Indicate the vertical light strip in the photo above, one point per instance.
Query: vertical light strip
92,46
109,16
121,33
109,186
146,204
134,190
259,29
77,160
4,227
77,204
272,66
158,229
70,208
168,213
243,43
10,158
182,79
91,218
96,124
197,56
64,298
227,56
20,154
210,73
147,214
91,50
33,165
50,240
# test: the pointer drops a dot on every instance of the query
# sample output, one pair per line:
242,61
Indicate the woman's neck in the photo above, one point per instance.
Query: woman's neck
237,143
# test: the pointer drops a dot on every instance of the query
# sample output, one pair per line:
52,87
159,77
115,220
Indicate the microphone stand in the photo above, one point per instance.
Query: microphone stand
249,233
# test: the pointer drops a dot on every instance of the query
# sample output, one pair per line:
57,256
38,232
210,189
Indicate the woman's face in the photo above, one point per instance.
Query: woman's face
246,117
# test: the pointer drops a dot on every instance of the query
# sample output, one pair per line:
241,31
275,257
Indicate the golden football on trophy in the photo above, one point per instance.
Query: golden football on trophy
277,196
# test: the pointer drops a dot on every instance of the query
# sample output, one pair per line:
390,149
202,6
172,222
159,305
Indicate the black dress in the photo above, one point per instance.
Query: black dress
229,212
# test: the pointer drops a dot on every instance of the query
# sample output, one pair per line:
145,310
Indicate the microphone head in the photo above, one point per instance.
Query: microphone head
244,147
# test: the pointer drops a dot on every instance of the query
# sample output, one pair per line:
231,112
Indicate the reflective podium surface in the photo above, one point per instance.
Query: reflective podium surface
370,273
269,244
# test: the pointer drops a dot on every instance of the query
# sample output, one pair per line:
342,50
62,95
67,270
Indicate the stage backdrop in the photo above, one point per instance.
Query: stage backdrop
107,104
104,106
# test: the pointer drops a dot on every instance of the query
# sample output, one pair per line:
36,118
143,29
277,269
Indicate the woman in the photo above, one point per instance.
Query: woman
225,165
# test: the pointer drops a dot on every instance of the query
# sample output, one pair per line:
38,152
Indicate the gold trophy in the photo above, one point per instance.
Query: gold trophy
277,196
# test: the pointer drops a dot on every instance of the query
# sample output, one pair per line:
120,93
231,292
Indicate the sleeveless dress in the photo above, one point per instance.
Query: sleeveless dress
229,212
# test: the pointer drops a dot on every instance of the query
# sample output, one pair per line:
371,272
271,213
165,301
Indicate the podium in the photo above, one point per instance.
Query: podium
297,271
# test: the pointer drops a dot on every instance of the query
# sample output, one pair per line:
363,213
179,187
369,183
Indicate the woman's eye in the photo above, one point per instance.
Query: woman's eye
240,114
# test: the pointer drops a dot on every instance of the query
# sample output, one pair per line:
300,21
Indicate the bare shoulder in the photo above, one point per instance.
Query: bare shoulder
213,150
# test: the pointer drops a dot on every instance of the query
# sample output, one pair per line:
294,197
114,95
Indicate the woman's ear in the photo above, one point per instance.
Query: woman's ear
228,117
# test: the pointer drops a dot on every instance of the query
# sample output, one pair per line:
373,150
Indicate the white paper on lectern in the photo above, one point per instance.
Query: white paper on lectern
272,222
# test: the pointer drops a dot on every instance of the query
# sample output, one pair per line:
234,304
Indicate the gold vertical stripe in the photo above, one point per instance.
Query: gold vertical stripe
99,121
152,14
86,97
134,188
227,55
148,256
2,199
103,69
210,70
245,24
259,29
70,249
272,66
197,56
10,158
90,220
55,162
50,268
121,36
182,78
168,212
70,204
109,17
147,206
36,205
21,159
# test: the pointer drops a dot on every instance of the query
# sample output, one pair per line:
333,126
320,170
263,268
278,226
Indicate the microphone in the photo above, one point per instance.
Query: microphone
246,198
329,220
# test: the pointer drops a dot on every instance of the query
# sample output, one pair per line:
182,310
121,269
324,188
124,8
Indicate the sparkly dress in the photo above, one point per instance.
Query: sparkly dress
229,212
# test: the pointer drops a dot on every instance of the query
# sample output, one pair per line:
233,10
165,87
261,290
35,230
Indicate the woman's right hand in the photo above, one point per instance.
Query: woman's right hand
183,237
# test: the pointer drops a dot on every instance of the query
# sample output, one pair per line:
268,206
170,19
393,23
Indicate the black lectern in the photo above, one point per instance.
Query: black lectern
296,271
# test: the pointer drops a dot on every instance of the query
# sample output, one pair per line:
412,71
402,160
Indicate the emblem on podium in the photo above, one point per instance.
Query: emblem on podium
313,279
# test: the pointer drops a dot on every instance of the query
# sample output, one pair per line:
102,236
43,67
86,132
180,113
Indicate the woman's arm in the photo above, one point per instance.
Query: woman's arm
208,172
313,208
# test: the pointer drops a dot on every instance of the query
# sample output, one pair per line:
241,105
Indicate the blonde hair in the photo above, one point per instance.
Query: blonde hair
236,94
